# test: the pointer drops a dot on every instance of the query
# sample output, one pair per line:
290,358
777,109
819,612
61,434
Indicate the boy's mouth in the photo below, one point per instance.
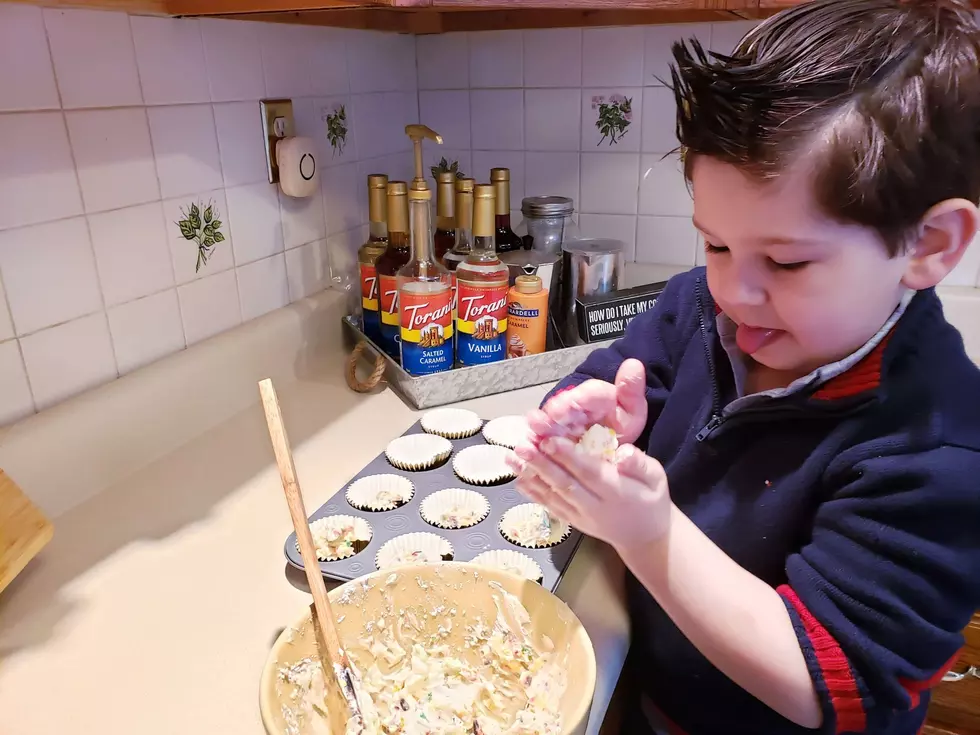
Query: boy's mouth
752,339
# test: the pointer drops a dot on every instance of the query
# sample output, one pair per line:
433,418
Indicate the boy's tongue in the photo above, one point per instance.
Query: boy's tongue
752,339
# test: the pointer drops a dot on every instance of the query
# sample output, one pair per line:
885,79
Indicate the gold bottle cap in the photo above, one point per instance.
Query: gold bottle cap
397,206
528,284
484,191
445,177
416,195
377,201
377,181
483,205
500,174
444,200
465,184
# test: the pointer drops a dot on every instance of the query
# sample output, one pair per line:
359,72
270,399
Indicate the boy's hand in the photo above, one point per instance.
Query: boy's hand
622,407
626,503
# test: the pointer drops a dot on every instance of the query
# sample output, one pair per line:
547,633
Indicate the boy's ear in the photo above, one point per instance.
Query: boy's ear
944,234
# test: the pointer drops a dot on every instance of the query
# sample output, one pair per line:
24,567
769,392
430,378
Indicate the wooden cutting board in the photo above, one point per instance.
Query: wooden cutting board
24,530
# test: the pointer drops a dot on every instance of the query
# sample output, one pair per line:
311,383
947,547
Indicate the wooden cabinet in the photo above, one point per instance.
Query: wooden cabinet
955,706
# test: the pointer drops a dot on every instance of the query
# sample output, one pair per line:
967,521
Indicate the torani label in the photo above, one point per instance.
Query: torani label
426,331
369,301
481,322
388,288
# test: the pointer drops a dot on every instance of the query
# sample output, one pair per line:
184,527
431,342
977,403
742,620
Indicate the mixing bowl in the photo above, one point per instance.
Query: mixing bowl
466,588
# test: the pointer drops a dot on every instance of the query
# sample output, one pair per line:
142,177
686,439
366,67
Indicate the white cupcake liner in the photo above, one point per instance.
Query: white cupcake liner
510,561
454,508
522,525
483,465
452,423
413,548
507,431
326,538
380,492
418,451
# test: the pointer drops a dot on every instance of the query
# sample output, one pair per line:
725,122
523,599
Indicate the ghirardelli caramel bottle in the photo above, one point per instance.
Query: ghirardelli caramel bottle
390,262
368,254
506,238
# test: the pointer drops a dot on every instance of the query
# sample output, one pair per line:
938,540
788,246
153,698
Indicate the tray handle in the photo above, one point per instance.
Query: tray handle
376,376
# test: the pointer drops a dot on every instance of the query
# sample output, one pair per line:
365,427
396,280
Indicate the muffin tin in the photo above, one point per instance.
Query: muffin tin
467,542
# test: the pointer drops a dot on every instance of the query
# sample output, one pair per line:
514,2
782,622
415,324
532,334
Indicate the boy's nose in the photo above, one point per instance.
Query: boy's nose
743,287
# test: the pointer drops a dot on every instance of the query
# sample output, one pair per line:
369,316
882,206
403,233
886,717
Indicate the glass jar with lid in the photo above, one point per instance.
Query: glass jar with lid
548,222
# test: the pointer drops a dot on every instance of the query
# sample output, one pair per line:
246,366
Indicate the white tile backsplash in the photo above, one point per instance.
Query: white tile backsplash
550,174
553,57
609,183
186,149
657,54
232,50
114,157
49,274
725,36
131,252
447,112
262,286
443,61
134,120
497,119
615,226
37,176
94,58
659,120
663,189
628,138
496,59
483,161
68,359
552,119
170,57
16,400
612,57
146,330
27,81
209,306
666,240
256,227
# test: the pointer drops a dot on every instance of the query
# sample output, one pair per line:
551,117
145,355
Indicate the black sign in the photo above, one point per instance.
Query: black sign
605,316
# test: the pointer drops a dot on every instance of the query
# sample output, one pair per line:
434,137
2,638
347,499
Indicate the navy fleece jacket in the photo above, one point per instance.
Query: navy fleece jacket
857,499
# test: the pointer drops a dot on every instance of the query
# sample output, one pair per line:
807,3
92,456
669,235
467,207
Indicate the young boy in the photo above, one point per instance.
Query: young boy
797,491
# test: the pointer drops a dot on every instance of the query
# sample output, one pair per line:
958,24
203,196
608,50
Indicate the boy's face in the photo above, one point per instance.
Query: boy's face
804,290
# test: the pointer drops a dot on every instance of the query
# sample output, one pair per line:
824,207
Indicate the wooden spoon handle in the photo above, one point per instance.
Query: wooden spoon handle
297,511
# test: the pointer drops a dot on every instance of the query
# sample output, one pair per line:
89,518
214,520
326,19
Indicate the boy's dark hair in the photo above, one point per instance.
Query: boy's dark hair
882,97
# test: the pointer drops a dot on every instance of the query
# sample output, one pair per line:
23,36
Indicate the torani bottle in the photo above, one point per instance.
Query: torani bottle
482,281
368,254
390,262
445,235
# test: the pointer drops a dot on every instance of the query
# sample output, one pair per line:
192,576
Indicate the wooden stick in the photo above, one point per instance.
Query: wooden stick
336,665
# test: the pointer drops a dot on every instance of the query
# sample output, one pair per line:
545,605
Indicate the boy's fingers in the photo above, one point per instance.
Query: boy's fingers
631,385
583,467
557,477
633,463
587,403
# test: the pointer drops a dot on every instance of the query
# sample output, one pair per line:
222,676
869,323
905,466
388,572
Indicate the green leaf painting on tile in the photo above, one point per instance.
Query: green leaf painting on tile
201,229
337,128
615,116
444,165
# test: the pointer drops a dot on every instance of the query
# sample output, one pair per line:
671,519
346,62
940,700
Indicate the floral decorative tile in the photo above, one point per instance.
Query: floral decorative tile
614,115
201,224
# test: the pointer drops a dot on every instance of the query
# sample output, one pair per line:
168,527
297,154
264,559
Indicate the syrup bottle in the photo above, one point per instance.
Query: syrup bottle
424,293
506,239
464,232
368,254
389,263
482,282
445,235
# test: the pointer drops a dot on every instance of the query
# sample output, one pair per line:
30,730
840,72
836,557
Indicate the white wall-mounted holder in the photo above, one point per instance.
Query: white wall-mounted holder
290,160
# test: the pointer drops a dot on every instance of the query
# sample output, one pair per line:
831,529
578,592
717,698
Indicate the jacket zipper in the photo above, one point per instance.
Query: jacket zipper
716,419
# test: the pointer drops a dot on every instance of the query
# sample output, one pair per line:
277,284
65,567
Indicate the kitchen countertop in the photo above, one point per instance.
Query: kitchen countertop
155,605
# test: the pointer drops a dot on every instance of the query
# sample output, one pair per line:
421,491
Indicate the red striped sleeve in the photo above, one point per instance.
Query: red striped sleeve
834,667
915,688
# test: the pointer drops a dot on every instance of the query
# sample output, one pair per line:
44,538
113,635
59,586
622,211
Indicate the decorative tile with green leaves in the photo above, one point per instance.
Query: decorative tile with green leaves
201,225
337,128
444,166
614,116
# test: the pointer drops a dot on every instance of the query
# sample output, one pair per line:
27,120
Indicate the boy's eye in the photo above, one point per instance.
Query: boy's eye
789,266
709,248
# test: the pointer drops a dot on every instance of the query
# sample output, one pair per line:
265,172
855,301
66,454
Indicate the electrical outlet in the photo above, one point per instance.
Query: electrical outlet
277,122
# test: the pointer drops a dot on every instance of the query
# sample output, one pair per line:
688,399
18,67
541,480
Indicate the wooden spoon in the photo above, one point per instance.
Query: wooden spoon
345,699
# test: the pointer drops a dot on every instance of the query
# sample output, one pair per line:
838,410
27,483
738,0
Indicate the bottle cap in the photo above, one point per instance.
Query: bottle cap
500,174
484,191
465,184
377,181
445,177
528,284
